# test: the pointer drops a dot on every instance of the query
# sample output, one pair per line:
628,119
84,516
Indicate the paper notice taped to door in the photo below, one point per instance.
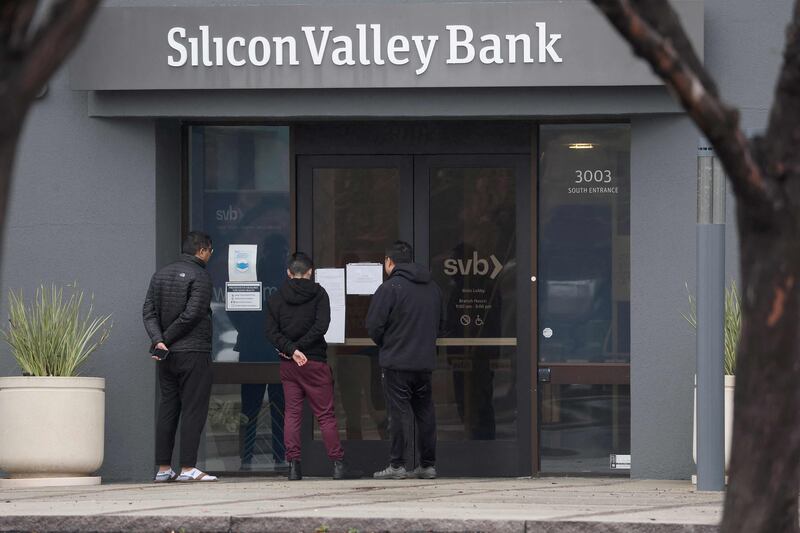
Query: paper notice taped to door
364,278
242,262
332,280
243,296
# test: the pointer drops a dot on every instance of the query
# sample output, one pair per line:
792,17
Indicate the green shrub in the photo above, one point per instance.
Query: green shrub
732,325
51,336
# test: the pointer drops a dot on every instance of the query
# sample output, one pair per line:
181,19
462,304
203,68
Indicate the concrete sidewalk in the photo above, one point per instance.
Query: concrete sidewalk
274,504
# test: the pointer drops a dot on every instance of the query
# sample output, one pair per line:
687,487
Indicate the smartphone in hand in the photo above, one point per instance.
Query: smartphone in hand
159,353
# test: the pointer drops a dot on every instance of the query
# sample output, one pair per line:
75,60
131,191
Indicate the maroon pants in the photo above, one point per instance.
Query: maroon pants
314,382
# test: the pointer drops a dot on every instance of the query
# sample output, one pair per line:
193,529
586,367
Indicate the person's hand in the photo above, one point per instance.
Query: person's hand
299,358
159,346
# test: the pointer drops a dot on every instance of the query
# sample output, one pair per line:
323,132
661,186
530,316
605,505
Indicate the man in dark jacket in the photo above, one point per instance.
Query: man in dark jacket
298,316
177,317
404,319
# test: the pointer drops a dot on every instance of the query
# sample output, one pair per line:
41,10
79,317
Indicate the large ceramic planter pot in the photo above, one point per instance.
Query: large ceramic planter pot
51,430
730,385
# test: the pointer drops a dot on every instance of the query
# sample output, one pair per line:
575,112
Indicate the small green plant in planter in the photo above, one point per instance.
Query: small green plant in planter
52,336
53,420
732,325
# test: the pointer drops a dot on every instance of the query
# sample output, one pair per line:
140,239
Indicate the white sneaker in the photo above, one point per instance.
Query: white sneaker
390,472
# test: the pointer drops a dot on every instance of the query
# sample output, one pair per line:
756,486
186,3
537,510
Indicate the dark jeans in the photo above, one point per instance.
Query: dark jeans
185,382
252,398
314,382
409,399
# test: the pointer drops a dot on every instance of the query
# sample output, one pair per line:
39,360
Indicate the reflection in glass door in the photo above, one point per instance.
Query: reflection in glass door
477,206
240,193
462,214
473,258
350,208
584,297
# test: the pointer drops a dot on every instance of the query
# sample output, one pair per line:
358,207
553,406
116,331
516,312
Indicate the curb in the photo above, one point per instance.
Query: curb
280,524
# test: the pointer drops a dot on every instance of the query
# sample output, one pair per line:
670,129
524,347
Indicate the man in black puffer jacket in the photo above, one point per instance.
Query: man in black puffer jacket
298,316
177,317
405,317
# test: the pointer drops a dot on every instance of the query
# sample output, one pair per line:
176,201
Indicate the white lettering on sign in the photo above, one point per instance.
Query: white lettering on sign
475,266
366,47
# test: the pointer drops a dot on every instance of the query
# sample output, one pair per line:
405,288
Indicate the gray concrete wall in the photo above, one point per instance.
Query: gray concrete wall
663,199
82,209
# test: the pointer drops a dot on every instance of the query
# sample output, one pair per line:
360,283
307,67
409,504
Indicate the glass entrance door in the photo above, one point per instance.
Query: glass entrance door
463,215
473,220
584,298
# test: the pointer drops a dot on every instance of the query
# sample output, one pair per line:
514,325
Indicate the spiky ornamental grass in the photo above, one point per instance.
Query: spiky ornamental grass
50,336
732,326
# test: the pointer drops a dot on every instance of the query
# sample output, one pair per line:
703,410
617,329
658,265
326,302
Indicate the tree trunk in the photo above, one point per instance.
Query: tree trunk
765,457
9,138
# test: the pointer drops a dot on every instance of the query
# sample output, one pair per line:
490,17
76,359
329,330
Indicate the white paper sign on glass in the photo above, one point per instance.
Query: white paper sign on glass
332,280
335,333
364,278
242,262
243,296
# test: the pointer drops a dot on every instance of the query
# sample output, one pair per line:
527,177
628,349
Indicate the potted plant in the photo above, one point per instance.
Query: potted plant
733,328
51,420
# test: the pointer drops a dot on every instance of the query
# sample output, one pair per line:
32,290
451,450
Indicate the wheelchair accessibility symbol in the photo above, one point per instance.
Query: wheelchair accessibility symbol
478,320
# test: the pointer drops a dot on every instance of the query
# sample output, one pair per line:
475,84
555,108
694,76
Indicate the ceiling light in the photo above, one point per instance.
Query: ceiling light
581,146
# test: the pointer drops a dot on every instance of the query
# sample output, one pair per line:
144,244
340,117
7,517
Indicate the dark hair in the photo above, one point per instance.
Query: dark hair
400,252
299,263
196,241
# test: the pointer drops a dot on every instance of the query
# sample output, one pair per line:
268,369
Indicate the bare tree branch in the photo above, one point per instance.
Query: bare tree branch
663,19
697,94
55,38
33,44
784,119
15,20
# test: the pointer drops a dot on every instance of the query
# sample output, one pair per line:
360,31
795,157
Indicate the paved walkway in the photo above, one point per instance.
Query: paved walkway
273,504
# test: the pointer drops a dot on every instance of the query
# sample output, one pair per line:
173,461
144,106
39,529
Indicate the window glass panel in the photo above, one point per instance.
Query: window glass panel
584,243
239,187
582,425
244,429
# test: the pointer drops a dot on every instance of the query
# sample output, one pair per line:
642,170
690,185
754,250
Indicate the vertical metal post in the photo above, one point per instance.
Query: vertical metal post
710,321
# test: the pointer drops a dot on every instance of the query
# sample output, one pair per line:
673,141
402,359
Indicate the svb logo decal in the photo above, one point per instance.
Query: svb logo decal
474,266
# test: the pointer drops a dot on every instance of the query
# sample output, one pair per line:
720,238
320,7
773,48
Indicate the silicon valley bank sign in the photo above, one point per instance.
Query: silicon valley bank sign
367,48
425,44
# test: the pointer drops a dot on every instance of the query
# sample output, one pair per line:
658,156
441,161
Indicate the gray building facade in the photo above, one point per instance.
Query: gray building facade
117,162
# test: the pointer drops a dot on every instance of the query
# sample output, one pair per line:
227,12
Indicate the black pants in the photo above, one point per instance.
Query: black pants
409,399
185,382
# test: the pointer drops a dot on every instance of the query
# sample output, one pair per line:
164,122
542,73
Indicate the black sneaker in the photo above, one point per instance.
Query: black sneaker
342,470
425,472
391,472
295,473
